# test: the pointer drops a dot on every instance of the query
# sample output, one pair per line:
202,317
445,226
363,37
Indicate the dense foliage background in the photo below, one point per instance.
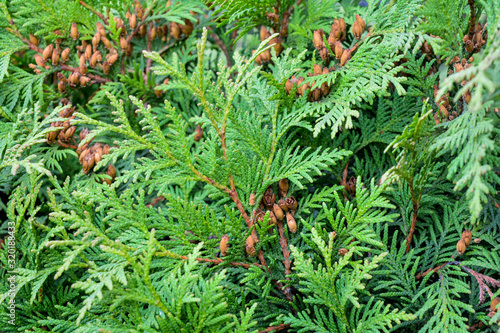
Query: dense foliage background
249,166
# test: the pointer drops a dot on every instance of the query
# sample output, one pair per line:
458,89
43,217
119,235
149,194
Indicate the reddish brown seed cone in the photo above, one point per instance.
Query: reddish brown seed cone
461,247
283,187
467,237
346,55
318,40
278,212
250,246
198,133
223,245
494,303
74,31
251,201
292,225
47,52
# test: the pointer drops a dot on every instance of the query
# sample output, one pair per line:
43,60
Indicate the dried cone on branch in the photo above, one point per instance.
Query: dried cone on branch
198,133
278,46
467,237
251,201
187,27
90,156
175,30
318,39
272,218
39,60
269,198
250,246
346,55
283,187
112,173
292,225
47,52
34,40
338,31
343,252
74,31
61,86
323,53
461,247
302,87
291,203
494,303
358,27
65,134
324,89
56,56
259,215
278,212
337,48
223,245
65,54
350,186
133,21
264,33
282,204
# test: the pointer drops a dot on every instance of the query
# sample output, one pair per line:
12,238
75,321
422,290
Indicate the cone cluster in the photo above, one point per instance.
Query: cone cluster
464,241
100,52
90,156
460,65
265,57
444,113
479,37
180,31
338,33
66,133
316,93
283,209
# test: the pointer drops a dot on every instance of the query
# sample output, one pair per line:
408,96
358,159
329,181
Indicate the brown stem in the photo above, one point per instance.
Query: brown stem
284,249
223,47
156,200
275,328
343,181
435,269
94,77
413,223
220,261
475,326
144,17
122,67
287,291
66,145
149,61
472,22
165,48
105,20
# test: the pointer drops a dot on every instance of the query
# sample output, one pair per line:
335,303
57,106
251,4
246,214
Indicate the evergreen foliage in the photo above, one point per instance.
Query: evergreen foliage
249,166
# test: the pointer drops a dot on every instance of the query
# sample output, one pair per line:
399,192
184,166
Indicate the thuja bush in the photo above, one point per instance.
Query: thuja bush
250,166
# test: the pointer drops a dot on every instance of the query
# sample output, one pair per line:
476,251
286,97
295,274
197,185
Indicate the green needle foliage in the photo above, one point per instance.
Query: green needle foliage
249,166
